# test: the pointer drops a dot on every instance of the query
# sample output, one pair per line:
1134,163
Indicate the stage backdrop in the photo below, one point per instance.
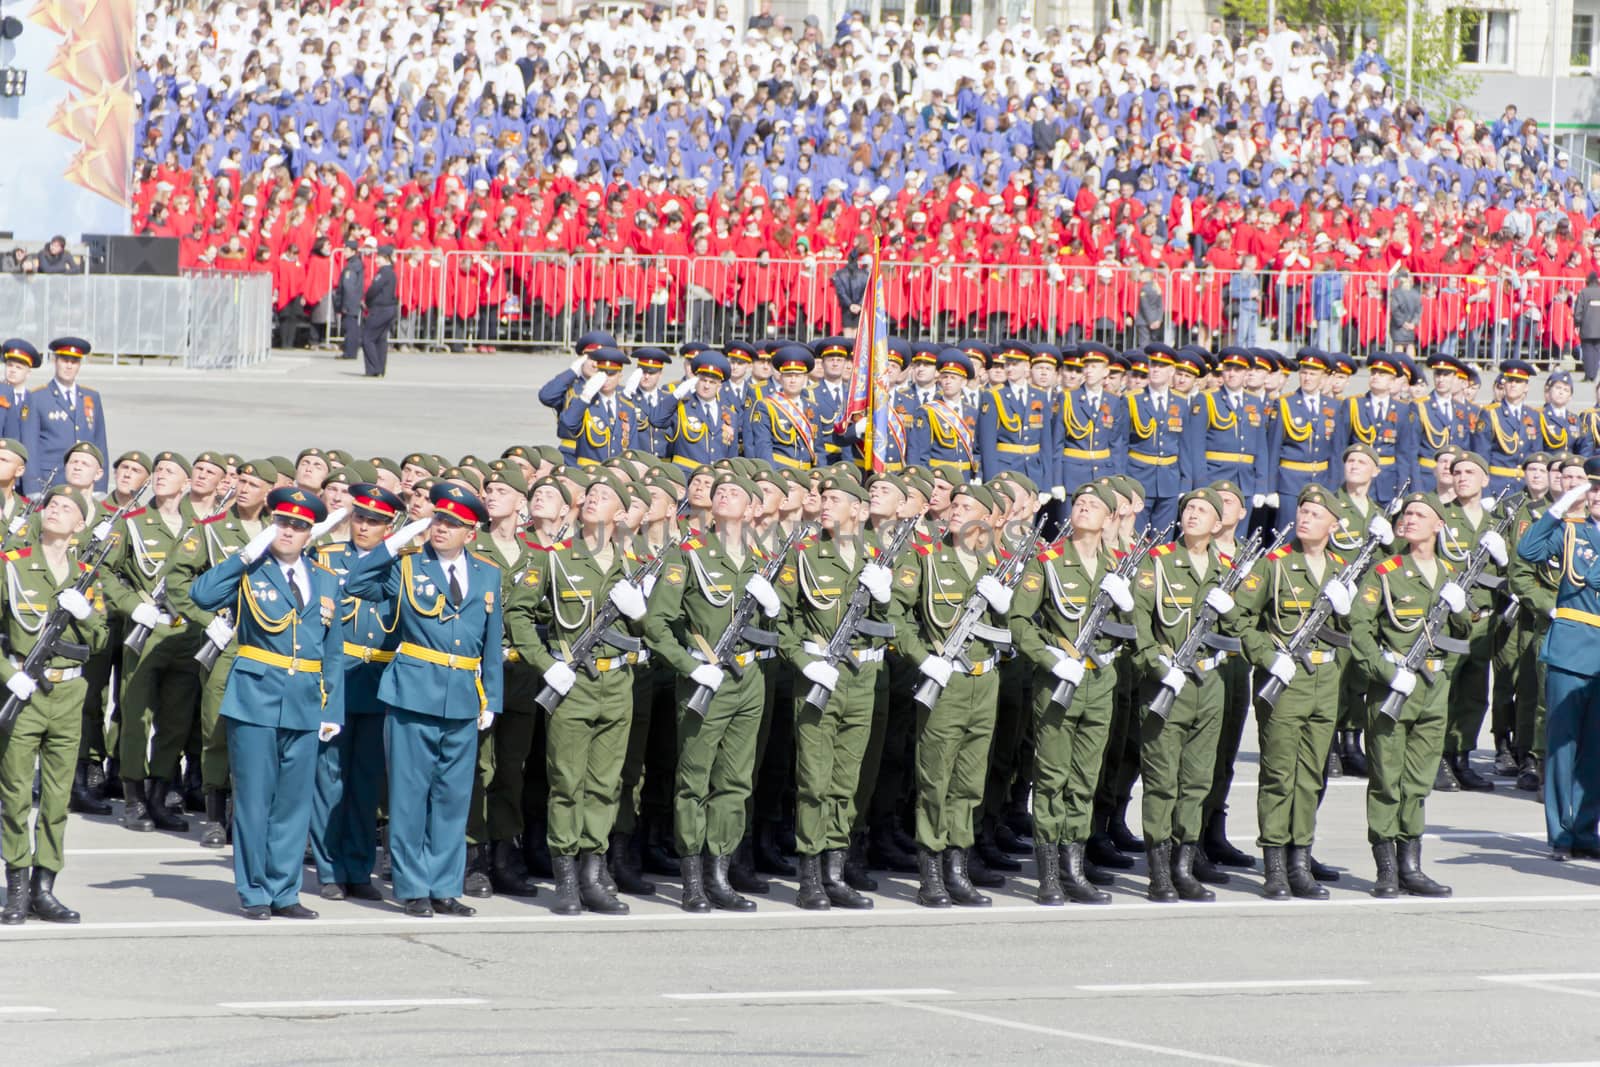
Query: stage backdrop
68,141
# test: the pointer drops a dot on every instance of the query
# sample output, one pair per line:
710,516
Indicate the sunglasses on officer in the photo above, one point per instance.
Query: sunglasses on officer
449,522
289,522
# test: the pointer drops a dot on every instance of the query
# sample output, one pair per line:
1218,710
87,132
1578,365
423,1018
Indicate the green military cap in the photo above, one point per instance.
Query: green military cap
87,448
1537,459
385,463
550,481
1206,494
216,459
917,480
579,476
342,476
424,485
1021,481
658,479
520,452
767,476
1473,458
1428,500
1565,460
134,456
732,477
1223,485
978,493
264,469
337,457
1101,490
608,479
673,473
889,478
1322,497
1128,486
360,471
315,453
848,486
172,457
471,475
1004,490
506,472
550,454
439,462
231,459
282,464
849,470
84,502
422,460
1363,450
11,444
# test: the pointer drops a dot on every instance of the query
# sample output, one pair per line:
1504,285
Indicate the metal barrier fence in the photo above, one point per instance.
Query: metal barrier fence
209,321
496,300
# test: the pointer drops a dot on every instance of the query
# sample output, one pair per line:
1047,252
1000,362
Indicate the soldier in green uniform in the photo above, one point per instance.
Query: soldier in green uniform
1046,619
1468,522
1297,732
1403,753
816,583
931,588
1517,676
1237,693
1362,513
37,579
702,582
1177,755
213,540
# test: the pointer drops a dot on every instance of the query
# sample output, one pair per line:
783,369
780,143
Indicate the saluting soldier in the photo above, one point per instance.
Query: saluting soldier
280,699
598,420
830,396
652,400
1559,426
19,358
1402,753
39,578
1446,417
702,428
1156,418
1380,422
1308,433
785,426
558,392
1015,429
1226,432
1092,424
943,429
1509,431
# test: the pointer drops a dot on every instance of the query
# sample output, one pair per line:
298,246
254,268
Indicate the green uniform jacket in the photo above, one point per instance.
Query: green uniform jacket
1276,598
1533,584
212,541
136,561
815,586
1460,539
1050,603
1394,600
28,594
695,598
1167,594
931,587
556,599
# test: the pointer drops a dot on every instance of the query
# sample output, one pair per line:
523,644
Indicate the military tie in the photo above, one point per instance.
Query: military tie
456,594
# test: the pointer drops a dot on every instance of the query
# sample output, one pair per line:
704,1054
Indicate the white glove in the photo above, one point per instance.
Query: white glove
861,428
823,673
1059,492
1219,602
1044,498
683,389
102,531
1272,500
1339,595
334,519
219,632
21,685
1067,668
1453,595
1120,591
707,675
1282,668
1258,500
577,367
938,668
1174,680
998,596
485,720
630,384
74,603
591,388
146,615
328,731
1488,503
1569,498
1403,681
1496,545
629,599
875,577
1379,527
408,533
765,595
258,544
649,585
560,677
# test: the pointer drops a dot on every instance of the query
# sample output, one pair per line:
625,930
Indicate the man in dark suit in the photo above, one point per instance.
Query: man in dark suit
347,302
850,285
1587,312
382,305
59,415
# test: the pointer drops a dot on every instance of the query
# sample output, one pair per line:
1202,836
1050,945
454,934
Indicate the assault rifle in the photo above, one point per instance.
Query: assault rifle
1098,621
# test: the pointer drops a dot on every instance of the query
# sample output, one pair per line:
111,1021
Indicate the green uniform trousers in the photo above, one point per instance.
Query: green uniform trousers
1468,700
93,742
1238,693
585,741
872,758
829,746
716,763
1121,768
770,795
46,733
1013,711
1523,716
1295,737
953,759
160,697
654,690
213,734
1069,749
1177,758
1353,701
1403,757
888,781
496,813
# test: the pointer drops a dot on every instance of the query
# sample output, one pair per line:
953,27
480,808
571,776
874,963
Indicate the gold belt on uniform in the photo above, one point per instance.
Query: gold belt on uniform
1086,453
440,659
1301,465
1230,457
367,654
1506,472
1007,446
612,663
1154,461
1574,615
277,659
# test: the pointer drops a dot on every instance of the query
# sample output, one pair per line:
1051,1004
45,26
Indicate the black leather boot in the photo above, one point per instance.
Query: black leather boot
592,891
1183,879
812,897
855,866
979,874
477,882
1354,756
1505,760
1319,870
507,873
1412,880
1102,850
958,884
1007,840
1121,836
193,788
1159,860
657,857
1301,884
1075,882
932,892
1207,872
1444,779
719,892
1387,884
694,889
135,813
769,855
1276,885
1530,779
1016,814
1221,851
536,850
85,800
568,901
215,835
841,894
1095,875
990,853
742,872
884,851
1047,857
155,797
1461,764
15,913
625,865
43,902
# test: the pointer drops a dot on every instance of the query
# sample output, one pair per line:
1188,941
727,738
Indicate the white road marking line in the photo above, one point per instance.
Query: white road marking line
191,850
1563,1063
25,1009
1203,987
810,994
1571,976
422,1002
1073,1035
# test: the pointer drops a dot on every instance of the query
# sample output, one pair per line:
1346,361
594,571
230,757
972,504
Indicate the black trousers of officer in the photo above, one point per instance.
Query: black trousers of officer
375,340
351,327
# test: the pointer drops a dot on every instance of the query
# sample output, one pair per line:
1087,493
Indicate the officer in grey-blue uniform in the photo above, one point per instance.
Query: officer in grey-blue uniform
555,393
650,398
60,415
286,690
1307,437
14,401
1156,420
943,434
702,427
598,419
1509,431
1378,420
1091,424
1015,430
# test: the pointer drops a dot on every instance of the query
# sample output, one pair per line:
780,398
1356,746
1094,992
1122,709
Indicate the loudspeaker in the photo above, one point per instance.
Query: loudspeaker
148,256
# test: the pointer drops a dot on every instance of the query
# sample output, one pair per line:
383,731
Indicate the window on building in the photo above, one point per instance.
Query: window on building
1582,53
1485,37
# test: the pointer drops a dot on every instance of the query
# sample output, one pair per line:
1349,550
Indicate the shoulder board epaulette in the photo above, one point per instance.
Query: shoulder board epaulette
693,543
1164,550
481,558
1117,553
1449,568
135,513
1227,560
19,553
528,541
1002,554
1279,552
924,548
536,546
84,567
214,518
923,537
335,546
1336,558
1049,554
874,551
806,542
1390,564
411,550
1574,518
321,566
